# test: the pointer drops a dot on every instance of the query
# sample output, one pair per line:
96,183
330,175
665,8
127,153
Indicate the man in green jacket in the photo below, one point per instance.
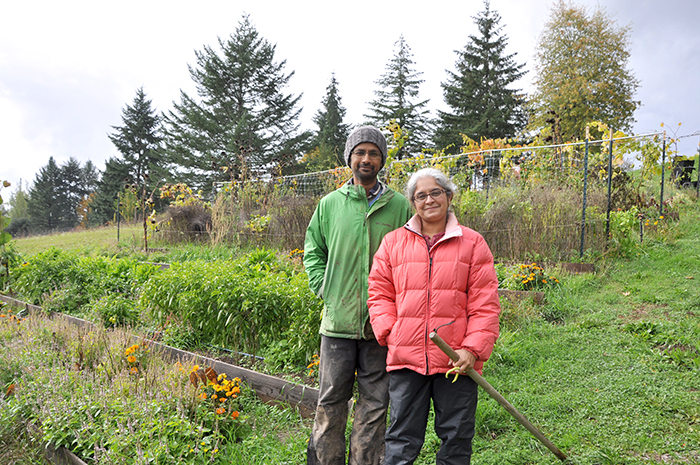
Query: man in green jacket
343,235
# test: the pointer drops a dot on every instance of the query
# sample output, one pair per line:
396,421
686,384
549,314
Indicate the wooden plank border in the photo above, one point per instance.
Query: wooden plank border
62,456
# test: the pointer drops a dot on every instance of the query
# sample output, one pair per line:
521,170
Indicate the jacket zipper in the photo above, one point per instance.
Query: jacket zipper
427,310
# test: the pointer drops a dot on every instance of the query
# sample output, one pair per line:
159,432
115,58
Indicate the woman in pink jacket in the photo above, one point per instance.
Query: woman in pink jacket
433,274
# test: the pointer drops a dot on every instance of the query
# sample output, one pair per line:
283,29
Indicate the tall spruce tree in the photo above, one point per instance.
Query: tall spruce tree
89,177
18,212
482,102
112,181
332,132
45,199
71,192
397,99
18,203
242,120
138,140
582,72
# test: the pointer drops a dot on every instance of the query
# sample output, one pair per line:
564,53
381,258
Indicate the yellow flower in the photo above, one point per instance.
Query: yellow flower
131,359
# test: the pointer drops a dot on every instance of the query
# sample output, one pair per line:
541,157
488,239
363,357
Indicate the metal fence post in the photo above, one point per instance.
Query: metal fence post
610,173
585,188
697,184
119,205
663,174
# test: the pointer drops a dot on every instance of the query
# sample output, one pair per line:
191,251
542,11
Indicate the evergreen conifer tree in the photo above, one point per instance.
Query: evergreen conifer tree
70,192
242,120
45,199
482,102
18,203
138,140
112,181
397,99
332,132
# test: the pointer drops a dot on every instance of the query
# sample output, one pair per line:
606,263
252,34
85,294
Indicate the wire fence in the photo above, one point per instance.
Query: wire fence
594,171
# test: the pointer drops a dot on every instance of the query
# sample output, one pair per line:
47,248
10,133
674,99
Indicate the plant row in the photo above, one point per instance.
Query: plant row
258,304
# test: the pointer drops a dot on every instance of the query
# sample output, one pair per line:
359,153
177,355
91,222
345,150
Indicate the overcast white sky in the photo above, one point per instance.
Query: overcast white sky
67,68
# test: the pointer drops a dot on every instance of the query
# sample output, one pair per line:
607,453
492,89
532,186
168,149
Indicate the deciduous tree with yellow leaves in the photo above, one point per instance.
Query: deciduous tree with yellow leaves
582,72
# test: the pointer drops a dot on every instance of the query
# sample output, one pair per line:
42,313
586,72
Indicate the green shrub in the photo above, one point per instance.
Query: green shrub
624,230
64,282
42,274
115,310
247,304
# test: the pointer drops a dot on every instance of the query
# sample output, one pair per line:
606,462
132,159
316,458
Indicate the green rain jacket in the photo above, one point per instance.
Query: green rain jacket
341,240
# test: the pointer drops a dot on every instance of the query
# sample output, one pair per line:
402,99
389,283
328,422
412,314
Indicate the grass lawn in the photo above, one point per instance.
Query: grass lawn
89,240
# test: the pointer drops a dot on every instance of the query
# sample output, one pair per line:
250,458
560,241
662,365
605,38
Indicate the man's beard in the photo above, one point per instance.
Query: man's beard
365,176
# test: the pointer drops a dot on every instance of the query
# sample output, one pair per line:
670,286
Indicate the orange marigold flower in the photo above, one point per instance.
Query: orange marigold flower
220,410
131,359
234,415
203,395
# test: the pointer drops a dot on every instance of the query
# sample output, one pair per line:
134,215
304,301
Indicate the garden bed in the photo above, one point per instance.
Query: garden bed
269,388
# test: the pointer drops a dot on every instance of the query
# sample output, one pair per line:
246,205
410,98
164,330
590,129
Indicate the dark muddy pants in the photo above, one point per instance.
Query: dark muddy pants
455,410
340,358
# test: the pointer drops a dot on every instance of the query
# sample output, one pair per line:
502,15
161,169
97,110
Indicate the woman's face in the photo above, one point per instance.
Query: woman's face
433,208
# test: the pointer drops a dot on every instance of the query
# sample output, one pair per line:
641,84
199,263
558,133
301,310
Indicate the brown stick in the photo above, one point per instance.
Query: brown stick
498,397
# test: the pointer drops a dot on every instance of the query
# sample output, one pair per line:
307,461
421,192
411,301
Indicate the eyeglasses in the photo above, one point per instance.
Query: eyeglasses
422,196
371,153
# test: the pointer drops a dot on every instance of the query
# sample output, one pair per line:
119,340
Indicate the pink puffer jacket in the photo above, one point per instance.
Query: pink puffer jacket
412,292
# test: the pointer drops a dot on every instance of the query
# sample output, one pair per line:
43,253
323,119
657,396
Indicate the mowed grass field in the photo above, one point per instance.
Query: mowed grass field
87,240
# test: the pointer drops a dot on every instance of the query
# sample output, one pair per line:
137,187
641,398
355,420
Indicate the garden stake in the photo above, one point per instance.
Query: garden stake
498,397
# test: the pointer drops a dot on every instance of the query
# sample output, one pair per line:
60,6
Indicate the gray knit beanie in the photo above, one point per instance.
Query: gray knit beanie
365,134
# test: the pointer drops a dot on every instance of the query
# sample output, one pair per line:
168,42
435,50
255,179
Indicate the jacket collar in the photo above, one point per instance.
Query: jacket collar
355,191
452,228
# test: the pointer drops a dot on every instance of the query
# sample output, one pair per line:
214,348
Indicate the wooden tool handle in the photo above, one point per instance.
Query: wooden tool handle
498,397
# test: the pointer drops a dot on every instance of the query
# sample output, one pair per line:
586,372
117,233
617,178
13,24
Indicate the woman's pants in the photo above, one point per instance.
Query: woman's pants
455,409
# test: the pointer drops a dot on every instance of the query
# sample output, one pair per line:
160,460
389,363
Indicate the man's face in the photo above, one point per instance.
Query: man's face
366,161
